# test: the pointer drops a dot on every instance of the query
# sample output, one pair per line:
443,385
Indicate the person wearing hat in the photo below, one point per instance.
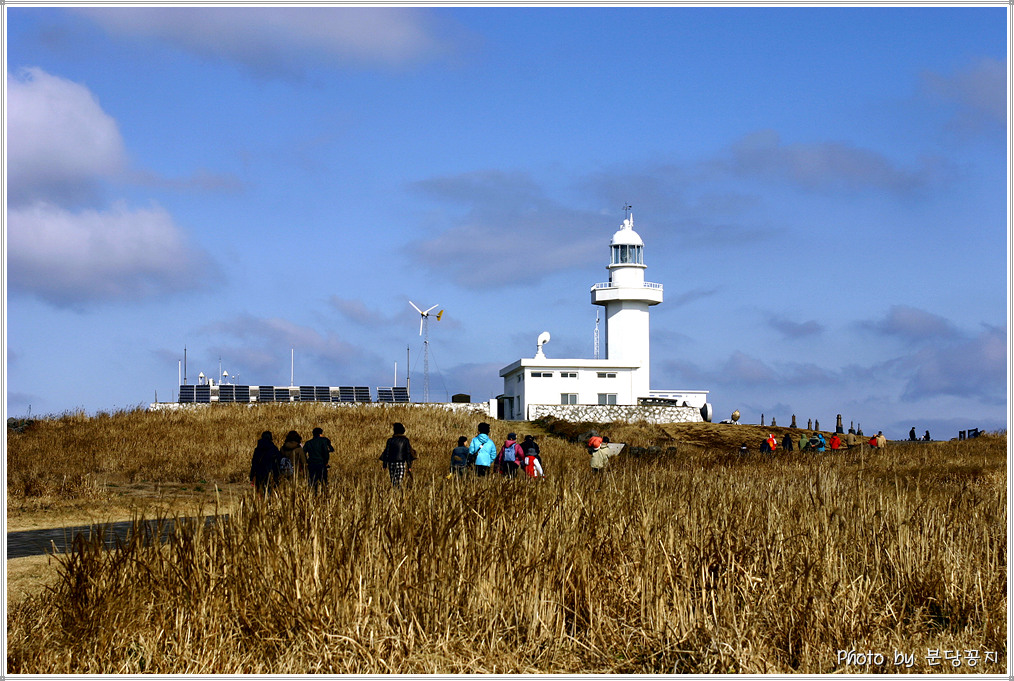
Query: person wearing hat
398,456
509,456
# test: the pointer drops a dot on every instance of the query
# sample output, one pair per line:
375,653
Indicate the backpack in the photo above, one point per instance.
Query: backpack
595,442
509,453
285,466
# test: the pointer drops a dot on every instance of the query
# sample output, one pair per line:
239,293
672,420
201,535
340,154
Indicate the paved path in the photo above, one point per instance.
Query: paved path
60,539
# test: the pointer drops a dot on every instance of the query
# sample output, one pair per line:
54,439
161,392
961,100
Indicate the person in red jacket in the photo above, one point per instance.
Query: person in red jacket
510,456
835,442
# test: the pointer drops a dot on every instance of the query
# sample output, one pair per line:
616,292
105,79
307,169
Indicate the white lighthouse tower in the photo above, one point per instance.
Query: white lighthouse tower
626,298
613,388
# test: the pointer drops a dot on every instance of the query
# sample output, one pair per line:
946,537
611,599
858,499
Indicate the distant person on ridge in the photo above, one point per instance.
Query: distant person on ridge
264,464
881,440
835,442
459,457
482,450
787,443
398,456
804,442
911,435
318,454
926,437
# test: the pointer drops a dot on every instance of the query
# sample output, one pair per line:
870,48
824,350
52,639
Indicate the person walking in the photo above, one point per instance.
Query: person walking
787,443
318,455
293,459
881,440
851,439
459,457
835,442
482,450
804,442
509,456
530,446
398,456
264,471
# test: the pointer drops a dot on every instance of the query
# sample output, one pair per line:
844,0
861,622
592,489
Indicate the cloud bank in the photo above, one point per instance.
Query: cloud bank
277,40
60,248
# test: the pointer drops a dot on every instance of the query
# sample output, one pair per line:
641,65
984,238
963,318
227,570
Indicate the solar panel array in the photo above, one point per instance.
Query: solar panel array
395,394
229,393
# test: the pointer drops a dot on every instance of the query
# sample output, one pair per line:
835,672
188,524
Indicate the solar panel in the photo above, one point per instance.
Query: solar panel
282,395
346,393
385,395
226,393
322,393
307,393
265,393
363,393
202,394
400,394
242,393
186,394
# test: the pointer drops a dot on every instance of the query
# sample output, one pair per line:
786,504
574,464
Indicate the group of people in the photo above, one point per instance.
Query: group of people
815,442
480,455
295,461
484,457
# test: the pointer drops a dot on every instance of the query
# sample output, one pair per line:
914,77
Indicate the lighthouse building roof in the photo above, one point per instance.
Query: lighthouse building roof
626,235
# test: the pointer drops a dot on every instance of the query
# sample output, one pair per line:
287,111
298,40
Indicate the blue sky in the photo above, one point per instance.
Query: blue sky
821,191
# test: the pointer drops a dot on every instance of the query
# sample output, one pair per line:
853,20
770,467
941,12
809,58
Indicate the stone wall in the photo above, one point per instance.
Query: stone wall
606,413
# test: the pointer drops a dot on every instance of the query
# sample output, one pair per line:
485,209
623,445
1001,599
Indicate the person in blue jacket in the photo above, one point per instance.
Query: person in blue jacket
483,450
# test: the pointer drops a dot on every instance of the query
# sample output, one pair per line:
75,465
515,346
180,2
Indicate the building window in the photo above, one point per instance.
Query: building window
607,398
568,374
607,374
542,374
568,398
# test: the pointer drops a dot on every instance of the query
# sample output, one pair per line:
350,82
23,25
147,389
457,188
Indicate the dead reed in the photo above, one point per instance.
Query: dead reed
699,562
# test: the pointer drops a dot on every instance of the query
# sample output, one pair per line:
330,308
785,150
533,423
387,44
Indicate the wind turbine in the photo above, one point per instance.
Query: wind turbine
424,326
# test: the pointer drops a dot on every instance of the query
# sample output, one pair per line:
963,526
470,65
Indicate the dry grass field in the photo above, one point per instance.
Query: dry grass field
683,558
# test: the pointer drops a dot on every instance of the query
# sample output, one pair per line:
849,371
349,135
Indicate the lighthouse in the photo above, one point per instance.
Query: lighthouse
615,387
627,298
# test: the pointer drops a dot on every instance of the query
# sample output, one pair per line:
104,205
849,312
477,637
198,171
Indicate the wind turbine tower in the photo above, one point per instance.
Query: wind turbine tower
424,330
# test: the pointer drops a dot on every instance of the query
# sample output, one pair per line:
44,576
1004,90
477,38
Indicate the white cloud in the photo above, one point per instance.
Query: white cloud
506,212
978,93
69,258
823,166
60,141
284,39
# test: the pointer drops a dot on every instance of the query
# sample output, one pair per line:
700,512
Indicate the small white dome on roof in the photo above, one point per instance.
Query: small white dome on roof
626,234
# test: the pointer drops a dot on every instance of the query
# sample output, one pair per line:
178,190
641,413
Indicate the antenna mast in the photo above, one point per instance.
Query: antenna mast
596,334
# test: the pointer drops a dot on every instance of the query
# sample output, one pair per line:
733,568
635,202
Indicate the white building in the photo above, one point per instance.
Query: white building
534,387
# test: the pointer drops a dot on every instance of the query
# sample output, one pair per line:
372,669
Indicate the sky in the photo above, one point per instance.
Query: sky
820,190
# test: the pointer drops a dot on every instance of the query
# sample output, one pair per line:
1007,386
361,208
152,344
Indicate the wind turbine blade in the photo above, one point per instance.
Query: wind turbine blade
420,325
416,308
428,311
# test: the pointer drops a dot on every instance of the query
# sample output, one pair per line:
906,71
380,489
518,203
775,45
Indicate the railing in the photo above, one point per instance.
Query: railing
647,284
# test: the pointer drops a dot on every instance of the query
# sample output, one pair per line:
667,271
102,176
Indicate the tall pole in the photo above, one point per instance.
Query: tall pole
408,370
292,367
426,358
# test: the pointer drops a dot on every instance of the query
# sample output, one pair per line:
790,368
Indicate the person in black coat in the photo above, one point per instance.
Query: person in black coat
264,469
398,456
787,443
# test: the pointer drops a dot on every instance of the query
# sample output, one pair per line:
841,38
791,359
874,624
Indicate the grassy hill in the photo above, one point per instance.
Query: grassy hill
685,559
